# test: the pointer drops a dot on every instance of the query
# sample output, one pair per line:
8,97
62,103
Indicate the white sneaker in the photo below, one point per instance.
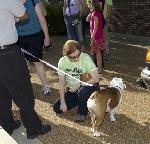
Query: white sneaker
46,90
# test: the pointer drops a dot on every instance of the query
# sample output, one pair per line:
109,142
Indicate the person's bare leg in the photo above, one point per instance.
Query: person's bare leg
39,67
99,61
106,38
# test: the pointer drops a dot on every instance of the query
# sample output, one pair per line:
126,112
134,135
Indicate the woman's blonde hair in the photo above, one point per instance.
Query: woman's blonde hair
70,47
95,4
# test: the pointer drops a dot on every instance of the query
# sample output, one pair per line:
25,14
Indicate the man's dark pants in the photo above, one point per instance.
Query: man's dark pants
15,85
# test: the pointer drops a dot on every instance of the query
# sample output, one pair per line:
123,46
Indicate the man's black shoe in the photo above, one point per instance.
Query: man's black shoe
44,129
32,136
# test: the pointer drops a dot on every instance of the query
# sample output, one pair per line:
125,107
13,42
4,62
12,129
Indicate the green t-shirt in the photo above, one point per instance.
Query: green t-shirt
107,2
84,65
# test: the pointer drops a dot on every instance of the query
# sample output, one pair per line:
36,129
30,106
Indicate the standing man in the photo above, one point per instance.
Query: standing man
107,12
33,35
74,31
15,83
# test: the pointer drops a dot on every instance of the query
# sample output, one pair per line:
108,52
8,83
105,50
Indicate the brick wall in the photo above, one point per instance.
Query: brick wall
131,17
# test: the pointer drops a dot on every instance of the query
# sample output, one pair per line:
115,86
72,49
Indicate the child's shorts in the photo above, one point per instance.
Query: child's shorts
33,44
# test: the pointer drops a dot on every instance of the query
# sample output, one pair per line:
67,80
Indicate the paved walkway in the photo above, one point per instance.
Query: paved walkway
5,138
18,137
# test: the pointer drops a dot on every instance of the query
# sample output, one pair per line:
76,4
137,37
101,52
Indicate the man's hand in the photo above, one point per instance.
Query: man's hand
63,107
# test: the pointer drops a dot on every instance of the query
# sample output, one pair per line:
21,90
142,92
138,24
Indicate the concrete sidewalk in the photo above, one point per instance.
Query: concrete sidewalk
5,138
18,137
130,39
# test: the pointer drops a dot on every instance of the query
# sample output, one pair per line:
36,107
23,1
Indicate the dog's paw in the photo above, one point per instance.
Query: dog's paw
92,130
96,134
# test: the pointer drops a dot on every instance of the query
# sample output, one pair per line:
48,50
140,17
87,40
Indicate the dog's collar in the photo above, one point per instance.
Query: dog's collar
117,87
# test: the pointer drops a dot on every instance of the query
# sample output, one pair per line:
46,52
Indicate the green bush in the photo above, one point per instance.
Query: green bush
55,17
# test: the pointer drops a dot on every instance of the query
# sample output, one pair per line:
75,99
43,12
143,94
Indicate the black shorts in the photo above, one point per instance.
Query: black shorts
33,44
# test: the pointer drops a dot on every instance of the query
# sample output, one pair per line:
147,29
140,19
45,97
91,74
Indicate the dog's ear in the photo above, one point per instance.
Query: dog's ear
114,78
118,79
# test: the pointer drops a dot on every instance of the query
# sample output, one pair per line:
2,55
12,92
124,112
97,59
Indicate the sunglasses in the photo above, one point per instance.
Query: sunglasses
74,57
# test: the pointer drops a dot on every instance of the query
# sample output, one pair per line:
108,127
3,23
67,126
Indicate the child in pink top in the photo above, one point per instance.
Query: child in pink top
97,41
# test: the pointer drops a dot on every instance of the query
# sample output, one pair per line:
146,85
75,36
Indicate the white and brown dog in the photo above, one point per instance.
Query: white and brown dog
105,100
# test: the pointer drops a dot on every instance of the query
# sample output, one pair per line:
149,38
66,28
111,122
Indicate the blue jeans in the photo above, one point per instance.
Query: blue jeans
77,99
74,32
84,26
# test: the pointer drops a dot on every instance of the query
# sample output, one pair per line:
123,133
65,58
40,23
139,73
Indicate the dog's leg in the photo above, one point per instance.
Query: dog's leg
108,108
112,115
92,115
92,118
95,125
113,111
92,121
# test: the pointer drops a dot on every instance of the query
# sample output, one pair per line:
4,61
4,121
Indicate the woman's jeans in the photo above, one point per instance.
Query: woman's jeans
78,98
74,32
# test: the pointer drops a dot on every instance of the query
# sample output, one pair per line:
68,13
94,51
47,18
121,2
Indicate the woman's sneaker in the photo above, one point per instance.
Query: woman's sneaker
46,90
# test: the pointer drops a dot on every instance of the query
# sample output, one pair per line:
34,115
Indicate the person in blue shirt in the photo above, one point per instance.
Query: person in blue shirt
15,83
33,35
